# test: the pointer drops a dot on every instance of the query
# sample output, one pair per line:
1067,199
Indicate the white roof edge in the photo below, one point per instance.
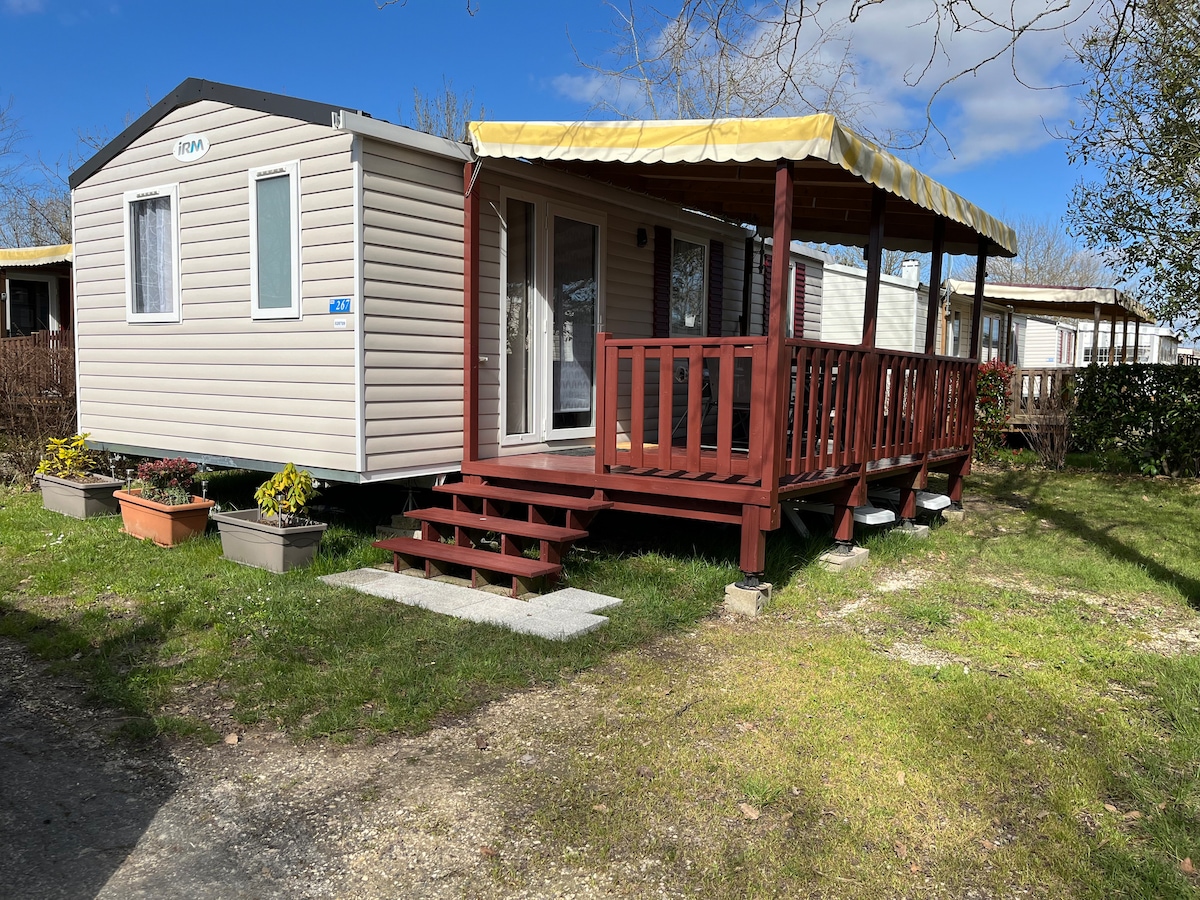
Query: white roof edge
884,277
344,120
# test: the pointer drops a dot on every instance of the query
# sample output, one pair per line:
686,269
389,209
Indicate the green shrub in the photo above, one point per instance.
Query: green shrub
992,397
285,495
1148,413
68,457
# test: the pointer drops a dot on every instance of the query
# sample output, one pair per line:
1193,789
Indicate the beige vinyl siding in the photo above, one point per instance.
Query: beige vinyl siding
1040,348
218,383
413,307
814,294
900,324
626,270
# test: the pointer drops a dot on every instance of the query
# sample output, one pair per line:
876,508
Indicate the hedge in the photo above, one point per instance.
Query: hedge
1151,413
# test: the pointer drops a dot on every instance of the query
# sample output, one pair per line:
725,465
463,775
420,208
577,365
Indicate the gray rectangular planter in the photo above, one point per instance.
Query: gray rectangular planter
246,540
80,499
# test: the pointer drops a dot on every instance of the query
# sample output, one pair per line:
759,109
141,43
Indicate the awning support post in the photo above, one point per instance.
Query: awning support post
874,268
774,395
977,306
935,284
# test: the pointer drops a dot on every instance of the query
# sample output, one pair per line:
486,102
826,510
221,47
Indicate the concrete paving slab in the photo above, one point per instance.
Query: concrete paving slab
577,600
557,620
355,577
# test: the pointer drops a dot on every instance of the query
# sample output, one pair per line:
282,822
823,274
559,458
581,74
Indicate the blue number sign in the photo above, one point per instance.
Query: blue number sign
340,305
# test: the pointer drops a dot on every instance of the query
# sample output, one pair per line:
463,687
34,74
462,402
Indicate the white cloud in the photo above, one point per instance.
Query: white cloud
1004,107
23,7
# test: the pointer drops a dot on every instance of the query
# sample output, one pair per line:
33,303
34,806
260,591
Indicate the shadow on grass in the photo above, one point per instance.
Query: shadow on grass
616,534
1031,487
1043,770
74,803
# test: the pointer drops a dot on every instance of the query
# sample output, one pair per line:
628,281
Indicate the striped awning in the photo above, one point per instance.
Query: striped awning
748,149
1055,300
36,256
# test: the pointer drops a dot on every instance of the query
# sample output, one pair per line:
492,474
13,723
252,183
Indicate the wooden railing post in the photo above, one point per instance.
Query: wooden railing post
606,404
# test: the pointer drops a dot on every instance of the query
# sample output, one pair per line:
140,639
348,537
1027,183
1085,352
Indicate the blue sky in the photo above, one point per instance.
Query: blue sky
92,66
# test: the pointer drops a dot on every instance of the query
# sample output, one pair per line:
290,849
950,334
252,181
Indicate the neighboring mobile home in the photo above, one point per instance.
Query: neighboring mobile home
1155,344
36,282
903,307
568,313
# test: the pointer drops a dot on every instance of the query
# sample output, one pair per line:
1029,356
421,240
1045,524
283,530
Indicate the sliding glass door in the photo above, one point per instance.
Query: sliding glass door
574,289
551,308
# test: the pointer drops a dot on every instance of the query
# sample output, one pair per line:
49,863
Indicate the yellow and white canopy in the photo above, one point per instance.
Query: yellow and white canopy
36,256
1051,300
726,167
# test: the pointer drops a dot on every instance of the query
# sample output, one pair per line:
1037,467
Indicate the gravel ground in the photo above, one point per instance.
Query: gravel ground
84,815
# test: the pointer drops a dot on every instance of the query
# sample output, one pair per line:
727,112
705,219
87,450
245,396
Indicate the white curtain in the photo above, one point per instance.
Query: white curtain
153,275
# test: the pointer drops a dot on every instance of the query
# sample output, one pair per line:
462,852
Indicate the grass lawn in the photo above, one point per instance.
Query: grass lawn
1011,708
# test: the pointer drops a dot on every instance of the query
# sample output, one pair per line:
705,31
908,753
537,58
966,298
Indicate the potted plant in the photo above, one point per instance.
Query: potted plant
164,508
67,485
277,535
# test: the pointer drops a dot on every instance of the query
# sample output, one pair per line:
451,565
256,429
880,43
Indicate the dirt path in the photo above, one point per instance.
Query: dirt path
82,815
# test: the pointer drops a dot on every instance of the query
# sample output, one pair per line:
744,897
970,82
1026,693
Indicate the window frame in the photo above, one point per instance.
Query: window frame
290,169
176,314
703,323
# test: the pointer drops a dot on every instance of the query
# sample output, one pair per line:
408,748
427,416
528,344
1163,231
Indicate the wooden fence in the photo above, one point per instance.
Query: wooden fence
37,384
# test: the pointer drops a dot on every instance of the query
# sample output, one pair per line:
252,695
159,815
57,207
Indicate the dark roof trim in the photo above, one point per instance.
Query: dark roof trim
192,91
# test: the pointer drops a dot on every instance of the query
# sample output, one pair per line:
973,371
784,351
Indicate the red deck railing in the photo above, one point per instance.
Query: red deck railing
846,406
706,388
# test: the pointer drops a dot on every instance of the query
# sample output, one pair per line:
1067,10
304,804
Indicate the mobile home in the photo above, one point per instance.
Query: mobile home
569,314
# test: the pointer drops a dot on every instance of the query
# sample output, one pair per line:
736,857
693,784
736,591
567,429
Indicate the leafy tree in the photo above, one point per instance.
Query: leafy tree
1141,129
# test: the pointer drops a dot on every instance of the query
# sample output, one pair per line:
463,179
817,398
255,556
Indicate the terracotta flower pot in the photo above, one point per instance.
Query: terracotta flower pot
163,524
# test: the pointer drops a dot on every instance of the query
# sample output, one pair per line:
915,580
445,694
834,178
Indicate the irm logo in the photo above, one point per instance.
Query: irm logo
190,147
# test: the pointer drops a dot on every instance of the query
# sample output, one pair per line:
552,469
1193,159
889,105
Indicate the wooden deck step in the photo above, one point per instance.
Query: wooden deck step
517,527
434,557
518,495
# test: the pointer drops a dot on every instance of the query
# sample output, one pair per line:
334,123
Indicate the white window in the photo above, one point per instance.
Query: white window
275,242
688,277
152,255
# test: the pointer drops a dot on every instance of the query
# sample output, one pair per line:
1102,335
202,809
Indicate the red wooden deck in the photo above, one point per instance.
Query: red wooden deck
723,428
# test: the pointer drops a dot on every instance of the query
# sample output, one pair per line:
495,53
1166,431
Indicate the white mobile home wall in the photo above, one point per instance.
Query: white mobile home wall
902,310
218,384
374,393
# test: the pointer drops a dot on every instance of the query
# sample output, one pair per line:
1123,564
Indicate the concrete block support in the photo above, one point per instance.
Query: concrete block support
747,601
954,514
914,531
838,561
